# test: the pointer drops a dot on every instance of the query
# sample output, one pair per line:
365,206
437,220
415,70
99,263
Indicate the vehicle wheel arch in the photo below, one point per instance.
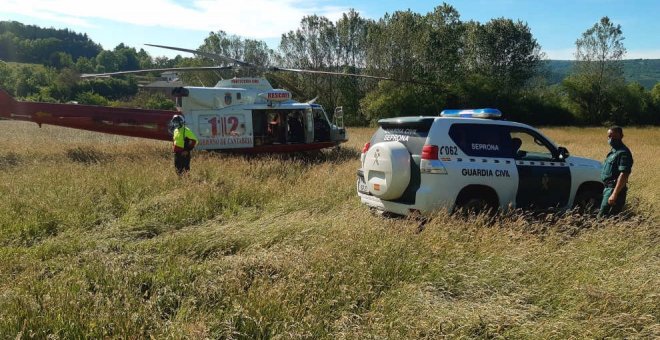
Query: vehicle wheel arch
477,190
588,190
590,186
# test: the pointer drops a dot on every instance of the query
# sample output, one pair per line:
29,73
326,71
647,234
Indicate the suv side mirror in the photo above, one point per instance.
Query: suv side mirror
563,153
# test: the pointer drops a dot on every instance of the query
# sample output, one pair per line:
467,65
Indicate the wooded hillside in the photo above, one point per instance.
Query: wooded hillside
472,64
34,44
643,71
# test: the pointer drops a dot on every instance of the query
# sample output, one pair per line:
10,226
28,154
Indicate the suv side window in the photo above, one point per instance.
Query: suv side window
527,145
481,140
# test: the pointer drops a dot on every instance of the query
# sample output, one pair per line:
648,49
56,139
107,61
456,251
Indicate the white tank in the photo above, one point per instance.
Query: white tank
381,161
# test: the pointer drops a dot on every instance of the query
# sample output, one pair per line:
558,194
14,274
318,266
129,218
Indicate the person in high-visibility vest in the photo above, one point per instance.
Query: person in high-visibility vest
184,141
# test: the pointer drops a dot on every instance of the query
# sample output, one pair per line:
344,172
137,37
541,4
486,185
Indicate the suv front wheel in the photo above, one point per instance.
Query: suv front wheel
588,200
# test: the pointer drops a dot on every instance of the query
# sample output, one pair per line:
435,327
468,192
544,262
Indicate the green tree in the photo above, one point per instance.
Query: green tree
108,61
145,59
655,101
84,65
152,100
112,88
392,99
655,94
396,45
91,98
351,31
631,105
29,79
313,46
128,58
398,48
33,44
444,43
499,58
232,46
6,77
62,89
60,60
597,76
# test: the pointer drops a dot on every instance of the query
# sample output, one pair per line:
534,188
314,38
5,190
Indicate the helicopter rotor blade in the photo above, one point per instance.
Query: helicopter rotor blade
221,58
199,68
216,57
277,69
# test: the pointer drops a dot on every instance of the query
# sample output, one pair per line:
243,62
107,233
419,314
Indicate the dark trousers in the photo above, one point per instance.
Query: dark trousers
182,162
609,210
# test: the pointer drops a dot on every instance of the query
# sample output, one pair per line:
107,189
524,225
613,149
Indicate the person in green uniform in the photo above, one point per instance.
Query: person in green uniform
615,174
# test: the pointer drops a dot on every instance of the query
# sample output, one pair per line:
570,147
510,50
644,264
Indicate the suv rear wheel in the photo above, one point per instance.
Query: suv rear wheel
477,200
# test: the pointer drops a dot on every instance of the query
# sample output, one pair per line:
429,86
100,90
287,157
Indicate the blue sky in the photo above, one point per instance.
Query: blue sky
556,24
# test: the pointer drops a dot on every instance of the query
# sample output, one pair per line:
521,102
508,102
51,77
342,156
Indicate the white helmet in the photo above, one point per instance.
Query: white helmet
177,122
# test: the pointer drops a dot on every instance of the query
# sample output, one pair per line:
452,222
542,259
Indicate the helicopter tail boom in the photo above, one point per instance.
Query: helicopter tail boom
143,123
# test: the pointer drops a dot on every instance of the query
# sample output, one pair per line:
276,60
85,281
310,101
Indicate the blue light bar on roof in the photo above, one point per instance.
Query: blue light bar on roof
472,113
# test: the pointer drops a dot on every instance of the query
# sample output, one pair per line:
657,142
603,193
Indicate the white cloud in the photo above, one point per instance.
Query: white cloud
259,19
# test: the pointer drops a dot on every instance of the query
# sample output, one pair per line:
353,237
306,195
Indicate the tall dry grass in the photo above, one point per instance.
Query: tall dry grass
99,238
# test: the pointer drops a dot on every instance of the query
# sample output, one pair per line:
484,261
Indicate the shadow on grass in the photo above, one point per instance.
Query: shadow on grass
334,155
568,223
87,155
9,160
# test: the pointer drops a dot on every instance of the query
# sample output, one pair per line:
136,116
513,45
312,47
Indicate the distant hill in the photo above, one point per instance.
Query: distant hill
643,71
34,44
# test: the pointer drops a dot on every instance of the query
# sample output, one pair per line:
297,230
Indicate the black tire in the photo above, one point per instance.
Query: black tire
475,206
588,201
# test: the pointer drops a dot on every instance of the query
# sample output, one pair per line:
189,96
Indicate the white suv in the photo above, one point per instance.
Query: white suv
470,159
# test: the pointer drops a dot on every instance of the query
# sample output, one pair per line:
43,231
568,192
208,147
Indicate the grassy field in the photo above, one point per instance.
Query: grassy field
99,238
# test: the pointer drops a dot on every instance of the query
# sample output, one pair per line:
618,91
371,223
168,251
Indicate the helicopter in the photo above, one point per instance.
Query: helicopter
245,115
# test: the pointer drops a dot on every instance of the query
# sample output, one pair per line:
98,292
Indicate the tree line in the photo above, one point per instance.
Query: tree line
450,63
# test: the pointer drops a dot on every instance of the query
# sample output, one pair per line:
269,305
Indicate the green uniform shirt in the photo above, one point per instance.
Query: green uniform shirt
617,161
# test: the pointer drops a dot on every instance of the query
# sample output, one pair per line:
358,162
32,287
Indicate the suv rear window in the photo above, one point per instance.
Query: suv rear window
481,140
411,132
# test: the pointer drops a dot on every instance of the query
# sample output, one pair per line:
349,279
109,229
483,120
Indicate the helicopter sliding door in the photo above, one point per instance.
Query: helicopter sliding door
283,126
321,125
223,130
